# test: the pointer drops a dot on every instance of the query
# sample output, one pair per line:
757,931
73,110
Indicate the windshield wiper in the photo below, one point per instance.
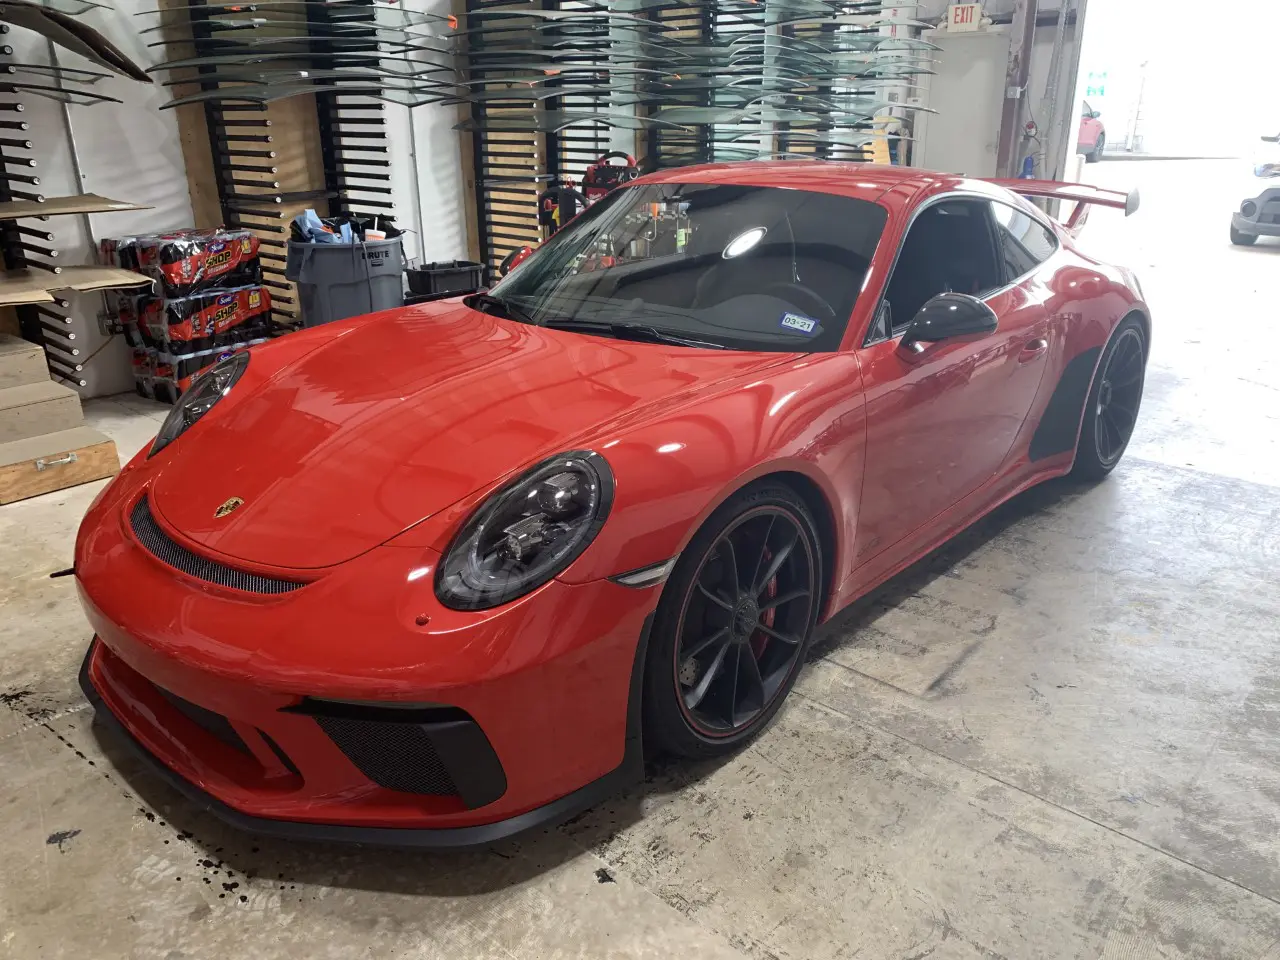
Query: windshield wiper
488,303
643,332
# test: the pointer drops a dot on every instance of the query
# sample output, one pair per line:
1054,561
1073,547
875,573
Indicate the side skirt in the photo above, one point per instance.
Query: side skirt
859,584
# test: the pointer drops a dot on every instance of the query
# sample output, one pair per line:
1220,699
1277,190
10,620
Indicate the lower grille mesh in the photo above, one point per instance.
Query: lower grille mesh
175,555
397,756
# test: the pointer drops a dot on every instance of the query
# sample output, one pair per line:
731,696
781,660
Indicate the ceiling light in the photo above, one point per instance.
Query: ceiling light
744,242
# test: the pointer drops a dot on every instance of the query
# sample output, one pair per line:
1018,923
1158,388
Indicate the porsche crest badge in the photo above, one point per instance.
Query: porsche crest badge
228,507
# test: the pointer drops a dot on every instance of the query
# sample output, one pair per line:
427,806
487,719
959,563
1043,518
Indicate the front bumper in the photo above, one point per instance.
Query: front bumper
259,707
1259,216
450,838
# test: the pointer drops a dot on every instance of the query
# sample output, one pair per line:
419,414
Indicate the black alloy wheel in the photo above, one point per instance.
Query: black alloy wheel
1114,401
733,624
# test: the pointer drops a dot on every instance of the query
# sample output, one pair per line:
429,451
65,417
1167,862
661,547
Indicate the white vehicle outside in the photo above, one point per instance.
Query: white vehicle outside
1259,213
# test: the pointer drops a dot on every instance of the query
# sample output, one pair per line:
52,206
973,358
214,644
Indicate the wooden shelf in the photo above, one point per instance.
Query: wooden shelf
60,206
22,287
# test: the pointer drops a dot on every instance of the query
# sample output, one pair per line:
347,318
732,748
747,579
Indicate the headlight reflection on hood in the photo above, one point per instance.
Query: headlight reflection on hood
527,532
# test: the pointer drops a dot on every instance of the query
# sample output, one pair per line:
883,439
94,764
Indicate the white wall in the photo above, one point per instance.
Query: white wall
128,151
426,175
969,96
426,172
932,9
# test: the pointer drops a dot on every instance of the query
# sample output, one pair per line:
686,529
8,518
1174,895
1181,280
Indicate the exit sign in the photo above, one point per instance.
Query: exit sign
962,17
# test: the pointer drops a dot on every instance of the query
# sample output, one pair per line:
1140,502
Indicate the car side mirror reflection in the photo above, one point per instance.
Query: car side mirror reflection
946,316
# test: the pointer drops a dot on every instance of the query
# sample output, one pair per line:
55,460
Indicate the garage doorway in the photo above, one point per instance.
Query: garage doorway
1177,78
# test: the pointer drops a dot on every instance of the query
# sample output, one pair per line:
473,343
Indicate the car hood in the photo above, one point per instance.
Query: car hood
401,416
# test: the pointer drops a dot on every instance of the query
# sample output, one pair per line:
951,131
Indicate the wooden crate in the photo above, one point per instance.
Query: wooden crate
55,461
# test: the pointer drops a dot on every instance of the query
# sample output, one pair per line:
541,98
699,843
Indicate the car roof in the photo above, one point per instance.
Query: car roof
863,181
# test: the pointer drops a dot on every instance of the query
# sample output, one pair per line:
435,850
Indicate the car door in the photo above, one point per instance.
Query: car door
942,421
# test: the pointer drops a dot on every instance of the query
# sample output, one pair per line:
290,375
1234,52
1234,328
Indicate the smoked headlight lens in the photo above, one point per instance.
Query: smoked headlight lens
527,532
209,388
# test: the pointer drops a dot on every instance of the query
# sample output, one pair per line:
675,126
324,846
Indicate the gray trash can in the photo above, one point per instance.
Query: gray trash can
340,280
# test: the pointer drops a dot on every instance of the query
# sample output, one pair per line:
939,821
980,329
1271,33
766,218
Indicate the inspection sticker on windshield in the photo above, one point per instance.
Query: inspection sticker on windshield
799,323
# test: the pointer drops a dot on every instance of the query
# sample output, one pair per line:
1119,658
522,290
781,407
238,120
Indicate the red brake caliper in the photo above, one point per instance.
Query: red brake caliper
759,639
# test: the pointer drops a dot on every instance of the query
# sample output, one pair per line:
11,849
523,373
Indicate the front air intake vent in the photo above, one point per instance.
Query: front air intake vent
397,756
212,723
179,557
426,748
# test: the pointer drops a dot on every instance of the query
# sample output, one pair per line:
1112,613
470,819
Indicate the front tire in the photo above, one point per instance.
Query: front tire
1242,239
1114,400
1095,154
731,629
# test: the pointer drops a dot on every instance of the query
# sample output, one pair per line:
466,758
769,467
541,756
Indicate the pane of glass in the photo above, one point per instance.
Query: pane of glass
1026,244
747,267
947,250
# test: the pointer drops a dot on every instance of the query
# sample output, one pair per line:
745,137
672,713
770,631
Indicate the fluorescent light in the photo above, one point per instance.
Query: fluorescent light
744,242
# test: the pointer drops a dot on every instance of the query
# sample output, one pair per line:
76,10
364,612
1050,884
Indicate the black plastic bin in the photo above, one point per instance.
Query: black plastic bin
447,276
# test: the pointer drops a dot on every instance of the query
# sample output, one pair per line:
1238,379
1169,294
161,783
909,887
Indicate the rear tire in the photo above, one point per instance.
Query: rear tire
722,656
1094,155
1115,398
1242,239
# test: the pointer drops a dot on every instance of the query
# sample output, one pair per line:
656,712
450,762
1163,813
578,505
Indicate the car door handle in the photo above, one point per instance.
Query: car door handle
1033,349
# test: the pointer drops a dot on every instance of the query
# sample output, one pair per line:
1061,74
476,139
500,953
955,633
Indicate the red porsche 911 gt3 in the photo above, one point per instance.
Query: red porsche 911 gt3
431,577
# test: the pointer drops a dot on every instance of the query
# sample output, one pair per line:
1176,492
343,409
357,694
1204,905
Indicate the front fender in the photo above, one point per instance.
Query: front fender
672,473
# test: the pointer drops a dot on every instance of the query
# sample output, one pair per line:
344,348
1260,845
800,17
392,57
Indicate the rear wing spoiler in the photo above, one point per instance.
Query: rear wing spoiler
1082,195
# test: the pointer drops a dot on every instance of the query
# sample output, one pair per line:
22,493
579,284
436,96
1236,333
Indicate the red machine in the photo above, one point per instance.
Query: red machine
604,175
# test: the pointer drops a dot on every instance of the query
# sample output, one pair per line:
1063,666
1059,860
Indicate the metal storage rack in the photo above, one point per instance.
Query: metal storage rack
28,247
508,165
816,44
262,165
513,167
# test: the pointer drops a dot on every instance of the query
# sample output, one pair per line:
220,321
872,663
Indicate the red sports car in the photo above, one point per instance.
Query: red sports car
431,576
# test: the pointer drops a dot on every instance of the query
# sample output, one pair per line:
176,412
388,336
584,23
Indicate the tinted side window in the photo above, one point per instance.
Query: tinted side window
947,249
1024,243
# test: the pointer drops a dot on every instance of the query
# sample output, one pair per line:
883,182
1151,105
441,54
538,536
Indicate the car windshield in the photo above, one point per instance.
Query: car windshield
727,265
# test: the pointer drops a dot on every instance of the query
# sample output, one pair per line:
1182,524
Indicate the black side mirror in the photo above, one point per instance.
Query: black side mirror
946,316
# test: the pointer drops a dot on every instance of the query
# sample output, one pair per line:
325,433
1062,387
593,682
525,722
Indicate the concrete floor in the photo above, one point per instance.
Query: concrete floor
1057,738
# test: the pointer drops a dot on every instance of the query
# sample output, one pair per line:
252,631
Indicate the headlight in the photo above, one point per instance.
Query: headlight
527,532
212,386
